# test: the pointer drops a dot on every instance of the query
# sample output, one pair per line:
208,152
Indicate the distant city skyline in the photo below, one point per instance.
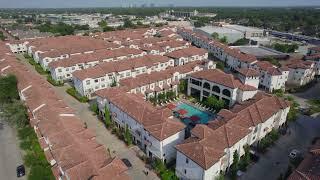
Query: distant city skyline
138,3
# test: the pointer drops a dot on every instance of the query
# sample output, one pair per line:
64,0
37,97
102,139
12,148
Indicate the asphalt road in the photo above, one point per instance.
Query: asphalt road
10,154
276,160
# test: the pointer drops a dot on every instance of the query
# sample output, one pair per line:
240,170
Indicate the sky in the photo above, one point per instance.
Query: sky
121,3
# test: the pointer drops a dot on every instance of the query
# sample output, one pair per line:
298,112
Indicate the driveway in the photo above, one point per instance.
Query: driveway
103,136
10,154
276,160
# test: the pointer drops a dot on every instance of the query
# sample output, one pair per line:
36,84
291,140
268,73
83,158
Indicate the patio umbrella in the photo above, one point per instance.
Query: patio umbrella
182,111
171,106
194,118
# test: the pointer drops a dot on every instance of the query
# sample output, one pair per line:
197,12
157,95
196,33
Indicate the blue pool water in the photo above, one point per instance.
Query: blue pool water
193,111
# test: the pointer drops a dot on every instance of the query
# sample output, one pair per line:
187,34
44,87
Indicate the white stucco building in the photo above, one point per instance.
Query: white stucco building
221,85
209,151
154,130
106,74
301,72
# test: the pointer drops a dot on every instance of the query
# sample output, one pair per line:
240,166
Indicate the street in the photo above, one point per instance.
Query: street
276,160
10,154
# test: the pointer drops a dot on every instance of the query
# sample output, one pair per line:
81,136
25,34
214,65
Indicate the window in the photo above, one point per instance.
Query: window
185,171
195,82
205,93
216,89
102,79
59,70
96,80
206,85
187,160
67,69
226,92
73,68
88,82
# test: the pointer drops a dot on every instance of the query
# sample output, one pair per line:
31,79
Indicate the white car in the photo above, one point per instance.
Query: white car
294,153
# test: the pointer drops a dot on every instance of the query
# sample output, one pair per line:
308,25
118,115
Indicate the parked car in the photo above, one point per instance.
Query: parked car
21,171
294,154
127,163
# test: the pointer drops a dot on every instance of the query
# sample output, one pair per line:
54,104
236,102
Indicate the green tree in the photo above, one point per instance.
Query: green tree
214,103
223,40
241,42
94,108
183,86
8,89
215,35
107,117
2,36
235,165
127,135
114,82
14,113
102,23
128,23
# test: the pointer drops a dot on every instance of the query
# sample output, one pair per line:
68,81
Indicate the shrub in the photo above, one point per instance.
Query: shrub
94,107
53,82
75,94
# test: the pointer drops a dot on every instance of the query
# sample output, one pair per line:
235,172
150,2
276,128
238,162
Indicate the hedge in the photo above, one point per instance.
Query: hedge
53,82
75,94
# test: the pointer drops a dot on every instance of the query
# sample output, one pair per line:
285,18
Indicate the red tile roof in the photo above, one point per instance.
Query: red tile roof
72,146
208,143
309,168
156,121
187,52
219,77
117,66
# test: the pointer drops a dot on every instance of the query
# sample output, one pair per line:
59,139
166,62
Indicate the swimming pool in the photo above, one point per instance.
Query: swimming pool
193,111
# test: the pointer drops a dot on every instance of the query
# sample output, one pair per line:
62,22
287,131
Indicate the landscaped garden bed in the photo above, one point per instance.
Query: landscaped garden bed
75,94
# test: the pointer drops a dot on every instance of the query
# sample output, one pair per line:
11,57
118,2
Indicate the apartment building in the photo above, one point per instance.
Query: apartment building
210,148
154,130
300,72
221,85
69,147
150,85
186,55
271,77
17,47
104,75
62,70
44,58
314,56
233,58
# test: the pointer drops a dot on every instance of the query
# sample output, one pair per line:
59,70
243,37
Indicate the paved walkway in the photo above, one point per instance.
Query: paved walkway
276,160
10,154
103,136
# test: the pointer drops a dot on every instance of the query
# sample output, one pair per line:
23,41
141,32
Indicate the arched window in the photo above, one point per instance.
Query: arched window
206,85
226,92
216,89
